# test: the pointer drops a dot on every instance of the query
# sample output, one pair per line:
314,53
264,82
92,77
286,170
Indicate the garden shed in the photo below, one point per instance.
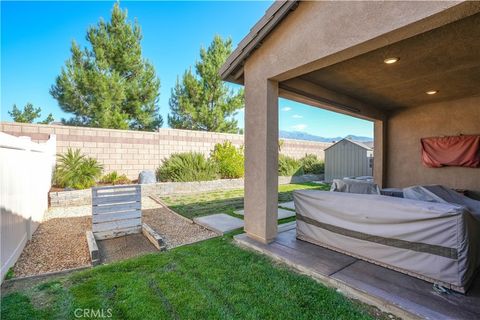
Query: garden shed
348,158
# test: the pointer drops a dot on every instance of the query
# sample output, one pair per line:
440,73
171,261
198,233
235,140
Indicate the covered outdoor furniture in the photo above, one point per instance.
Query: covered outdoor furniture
354,186
442,194
437,242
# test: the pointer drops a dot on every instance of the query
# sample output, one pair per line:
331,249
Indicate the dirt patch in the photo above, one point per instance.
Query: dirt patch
174,230
125,247
56,245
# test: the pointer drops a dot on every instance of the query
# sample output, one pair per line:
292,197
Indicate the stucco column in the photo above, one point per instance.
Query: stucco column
380,152
261,158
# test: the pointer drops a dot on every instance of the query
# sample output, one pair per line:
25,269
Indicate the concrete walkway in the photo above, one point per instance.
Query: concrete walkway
287,205
222,223
219,223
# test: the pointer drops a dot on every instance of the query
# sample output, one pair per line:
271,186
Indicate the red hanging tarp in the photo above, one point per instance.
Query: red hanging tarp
461,151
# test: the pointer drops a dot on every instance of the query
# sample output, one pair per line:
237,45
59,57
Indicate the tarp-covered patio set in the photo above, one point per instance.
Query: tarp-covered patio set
413,69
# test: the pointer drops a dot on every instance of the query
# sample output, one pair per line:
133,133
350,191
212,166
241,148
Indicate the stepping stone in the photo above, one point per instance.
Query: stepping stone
282,213
287,205
219,223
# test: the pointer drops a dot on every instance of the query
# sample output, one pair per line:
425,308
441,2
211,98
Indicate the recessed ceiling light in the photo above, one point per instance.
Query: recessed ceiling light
430,92
391,60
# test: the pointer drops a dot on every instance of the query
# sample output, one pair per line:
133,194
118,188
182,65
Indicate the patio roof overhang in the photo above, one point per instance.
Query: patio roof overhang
446,60
304,56
443,57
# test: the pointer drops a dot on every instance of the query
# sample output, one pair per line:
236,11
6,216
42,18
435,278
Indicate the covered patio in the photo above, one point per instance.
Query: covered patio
413,68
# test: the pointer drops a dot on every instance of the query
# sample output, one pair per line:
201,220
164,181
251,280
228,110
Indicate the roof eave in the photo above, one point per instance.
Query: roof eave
232,69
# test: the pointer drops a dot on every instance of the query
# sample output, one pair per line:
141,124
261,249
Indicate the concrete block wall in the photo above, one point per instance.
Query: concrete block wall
129,152
84,197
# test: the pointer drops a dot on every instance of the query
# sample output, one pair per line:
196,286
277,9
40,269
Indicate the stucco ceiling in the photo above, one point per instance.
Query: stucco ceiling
446,59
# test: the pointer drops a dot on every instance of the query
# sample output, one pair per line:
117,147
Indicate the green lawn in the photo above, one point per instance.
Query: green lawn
202,204
213,279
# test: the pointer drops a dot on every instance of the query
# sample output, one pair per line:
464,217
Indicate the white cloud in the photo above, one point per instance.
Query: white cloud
241,110
286,109
297,116
299,127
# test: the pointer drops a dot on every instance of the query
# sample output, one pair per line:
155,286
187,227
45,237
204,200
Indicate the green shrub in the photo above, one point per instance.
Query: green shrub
114,178
10,274
75,170
311,164
229,160
184,167
288,166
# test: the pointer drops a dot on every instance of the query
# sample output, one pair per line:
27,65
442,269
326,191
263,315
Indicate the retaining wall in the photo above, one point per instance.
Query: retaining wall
129,152
84,197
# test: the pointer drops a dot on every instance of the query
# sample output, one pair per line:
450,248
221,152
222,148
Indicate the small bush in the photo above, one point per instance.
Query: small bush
10,274
75,170
288,166
229,160
114,178
184,167
311,164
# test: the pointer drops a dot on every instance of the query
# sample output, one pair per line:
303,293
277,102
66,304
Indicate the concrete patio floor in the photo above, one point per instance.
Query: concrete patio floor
391,291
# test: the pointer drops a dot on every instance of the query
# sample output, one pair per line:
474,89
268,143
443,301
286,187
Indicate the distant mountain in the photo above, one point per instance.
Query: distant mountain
310,137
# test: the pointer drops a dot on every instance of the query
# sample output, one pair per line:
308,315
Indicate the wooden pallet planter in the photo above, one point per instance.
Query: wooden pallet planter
117,211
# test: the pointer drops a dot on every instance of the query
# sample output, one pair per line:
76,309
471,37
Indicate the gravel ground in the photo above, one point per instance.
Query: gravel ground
86,210
174,230
57,244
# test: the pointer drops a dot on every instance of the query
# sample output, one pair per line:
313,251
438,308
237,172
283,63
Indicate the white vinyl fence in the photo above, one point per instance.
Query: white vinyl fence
26,174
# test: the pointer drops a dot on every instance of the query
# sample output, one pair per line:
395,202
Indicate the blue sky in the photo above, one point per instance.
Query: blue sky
36,38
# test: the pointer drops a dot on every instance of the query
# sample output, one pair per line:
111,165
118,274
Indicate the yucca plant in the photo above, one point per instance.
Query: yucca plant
189,166
115,178
75,170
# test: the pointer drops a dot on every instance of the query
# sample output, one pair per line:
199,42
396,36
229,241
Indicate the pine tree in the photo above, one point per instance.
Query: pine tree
28,114
110,85
203,101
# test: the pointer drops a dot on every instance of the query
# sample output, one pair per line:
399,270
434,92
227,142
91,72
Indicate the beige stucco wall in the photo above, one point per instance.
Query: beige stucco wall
406,127
315,35
312,36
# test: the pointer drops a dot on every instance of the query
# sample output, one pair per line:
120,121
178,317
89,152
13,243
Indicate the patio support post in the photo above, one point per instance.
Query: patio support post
261,158
380,145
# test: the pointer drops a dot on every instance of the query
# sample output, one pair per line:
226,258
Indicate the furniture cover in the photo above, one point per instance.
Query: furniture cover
442,194
462,151
437,242
354,186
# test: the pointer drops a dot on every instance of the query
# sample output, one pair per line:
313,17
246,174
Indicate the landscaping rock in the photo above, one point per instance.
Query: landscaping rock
174,230
58,244
147,177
